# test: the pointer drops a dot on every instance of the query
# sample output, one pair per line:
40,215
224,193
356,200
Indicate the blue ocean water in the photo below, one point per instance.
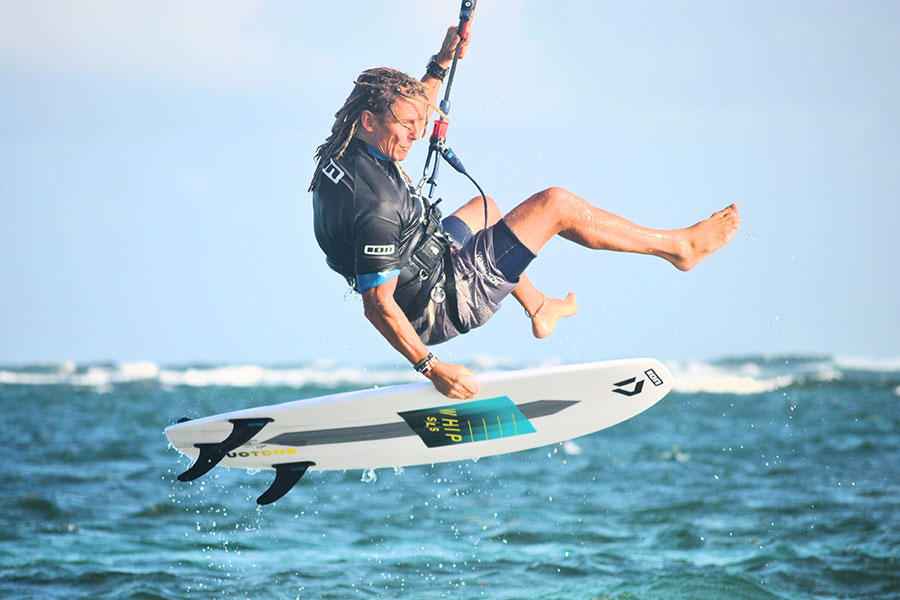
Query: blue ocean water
757,478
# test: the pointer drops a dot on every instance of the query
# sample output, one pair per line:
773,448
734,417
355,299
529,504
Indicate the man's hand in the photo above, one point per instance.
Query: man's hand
448,48
453,381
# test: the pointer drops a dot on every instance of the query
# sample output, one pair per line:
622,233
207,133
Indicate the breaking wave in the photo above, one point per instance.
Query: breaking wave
243,376
740,375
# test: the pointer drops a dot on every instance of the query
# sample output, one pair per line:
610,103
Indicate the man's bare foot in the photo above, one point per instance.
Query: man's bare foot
704,238
544,319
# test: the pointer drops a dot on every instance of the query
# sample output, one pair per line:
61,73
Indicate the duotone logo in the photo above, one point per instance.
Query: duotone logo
622,387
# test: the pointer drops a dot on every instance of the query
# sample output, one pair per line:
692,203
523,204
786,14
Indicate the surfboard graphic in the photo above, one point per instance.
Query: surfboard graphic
413,424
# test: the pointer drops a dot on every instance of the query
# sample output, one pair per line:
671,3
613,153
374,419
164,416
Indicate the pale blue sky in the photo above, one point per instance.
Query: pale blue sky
154,159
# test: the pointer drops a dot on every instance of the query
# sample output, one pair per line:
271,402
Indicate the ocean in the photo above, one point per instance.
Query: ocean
763,478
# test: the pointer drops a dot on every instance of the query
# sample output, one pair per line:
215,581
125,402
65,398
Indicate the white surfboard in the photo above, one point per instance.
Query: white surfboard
413,424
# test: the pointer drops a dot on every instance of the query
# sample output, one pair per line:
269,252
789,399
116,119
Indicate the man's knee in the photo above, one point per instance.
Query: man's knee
472,213
542,216
493,210
553,200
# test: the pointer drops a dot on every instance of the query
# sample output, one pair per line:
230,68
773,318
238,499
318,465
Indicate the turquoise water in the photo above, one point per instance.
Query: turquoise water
758,478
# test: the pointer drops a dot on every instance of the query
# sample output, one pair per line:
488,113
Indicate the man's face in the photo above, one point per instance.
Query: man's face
397,129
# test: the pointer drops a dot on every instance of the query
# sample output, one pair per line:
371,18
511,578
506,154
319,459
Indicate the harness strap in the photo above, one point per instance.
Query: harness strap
450,288
420,264
411,280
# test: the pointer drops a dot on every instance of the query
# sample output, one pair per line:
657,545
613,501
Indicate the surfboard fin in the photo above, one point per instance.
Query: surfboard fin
212,454
286,476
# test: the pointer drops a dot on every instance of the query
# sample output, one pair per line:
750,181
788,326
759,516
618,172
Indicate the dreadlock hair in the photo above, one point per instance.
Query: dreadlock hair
374,90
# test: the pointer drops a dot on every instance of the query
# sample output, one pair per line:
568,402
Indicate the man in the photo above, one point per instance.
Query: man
424,280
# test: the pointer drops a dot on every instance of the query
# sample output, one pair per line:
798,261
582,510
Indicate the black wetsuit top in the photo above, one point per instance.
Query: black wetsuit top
366,219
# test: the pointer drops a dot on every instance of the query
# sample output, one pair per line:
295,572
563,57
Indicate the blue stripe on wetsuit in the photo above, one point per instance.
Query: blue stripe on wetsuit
374,152
368,281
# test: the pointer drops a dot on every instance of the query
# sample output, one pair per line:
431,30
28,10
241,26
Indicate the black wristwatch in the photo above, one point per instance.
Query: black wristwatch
433,69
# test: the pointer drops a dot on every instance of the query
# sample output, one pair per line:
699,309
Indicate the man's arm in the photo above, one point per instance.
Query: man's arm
443,58
454,381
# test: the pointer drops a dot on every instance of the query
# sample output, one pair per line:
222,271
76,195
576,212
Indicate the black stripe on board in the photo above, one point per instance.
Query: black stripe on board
531,410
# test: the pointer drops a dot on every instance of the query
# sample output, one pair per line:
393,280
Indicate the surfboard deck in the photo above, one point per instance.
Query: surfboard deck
413,424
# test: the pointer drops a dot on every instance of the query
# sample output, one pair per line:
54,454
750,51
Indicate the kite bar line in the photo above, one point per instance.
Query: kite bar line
438,141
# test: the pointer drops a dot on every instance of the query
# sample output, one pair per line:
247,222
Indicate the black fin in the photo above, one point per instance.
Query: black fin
212,454
286,476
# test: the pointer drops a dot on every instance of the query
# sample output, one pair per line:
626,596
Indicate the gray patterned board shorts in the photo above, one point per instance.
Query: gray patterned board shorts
486,268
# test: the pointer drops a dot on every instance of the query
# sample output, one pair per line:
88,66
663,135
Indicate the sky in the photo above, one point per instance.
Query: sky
154,161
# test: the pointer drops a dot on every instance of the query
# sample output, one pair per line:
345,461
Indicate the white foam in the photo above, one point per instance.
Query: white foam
103,376
747,378
884,365
751,376
296,377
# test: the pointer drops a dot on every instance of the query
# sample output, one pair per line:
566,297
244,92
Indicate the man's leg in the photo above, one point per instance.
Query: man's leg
558,211
544,311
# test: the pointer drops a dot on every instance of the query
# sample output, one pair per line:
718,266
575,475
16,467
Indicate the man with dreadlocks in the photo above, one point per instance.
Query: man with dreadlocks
424,280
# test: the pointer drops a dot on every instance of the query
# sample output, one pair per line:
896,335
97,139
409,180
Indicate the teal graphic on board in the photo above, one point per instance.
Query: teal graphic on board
475,421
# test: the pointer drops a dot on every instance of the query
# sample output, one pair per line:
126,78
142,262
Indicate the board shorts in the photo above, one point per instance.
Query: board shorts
486,267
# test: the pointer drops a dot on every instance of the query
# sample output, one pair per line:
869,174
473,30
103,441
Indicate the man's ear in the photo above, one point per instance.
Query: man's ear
367,120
